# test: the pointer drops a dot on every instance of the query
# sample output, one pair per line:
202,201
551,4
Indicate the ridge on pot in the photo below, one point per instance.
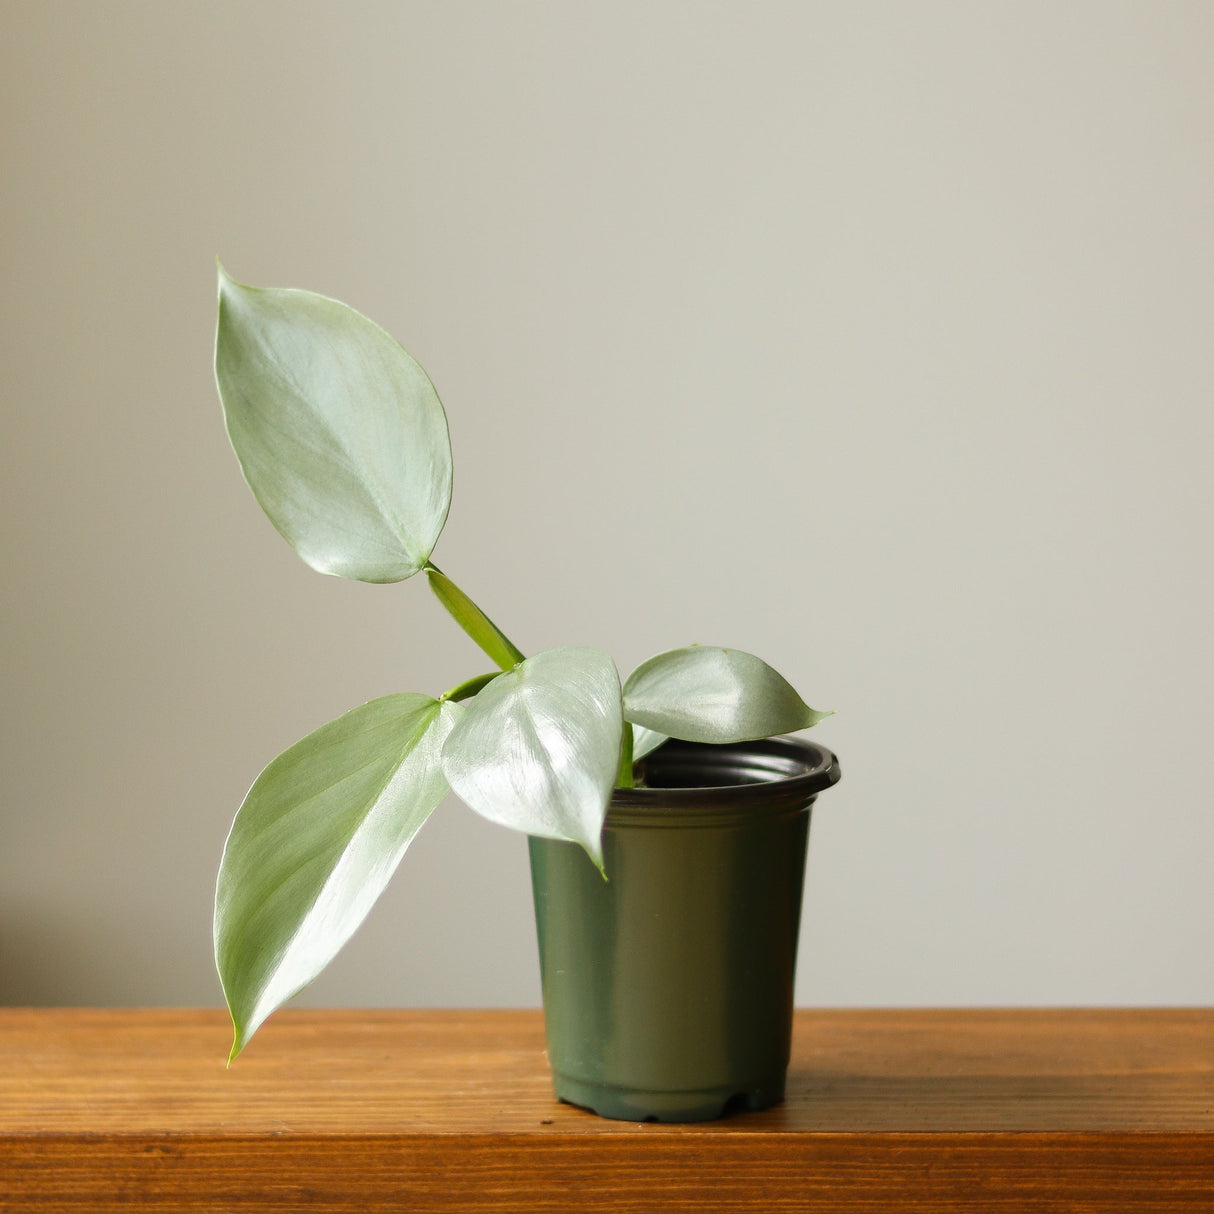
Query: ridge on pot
668,989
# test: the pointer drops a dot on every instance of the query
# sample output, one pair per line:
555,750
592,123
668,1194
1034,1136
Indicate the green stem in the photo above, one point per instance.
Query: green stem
469,687
624,777
473,620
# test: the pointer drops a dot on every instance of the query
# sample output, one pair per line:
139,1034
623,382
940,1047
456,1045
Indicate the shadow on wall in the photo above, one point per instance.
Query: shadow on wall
53,958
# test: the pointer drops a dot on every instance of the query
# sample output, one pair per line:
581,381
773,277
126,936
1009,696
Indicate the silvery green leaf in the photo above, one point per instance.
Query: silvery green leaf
645,741
318,836
339,433
538,748
705,694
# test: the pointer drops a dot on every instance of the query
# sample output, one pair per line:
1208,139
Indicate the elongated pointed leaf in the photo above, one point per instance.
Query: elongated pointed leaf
315,842
339,433
537,750
706,694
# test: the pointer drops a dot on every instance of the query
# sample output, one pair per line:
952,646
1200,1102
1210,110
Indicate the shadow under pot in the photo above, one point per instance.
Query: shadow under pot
668,988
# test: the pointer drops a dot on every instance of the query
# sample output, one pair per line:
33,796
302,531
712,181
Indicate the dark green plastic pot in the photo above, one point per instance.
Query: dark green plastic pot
668,988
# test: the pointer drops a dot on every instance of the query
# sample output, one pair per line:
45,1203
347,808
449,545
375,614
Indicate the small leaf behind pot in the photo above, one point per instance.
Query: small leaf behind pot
339,433
705,694
315,842
538,748
645,741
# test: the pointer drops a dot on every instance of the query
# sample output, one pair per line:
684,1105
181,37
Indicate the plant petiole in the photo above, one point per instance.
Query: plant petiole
473,620
469,687
624,777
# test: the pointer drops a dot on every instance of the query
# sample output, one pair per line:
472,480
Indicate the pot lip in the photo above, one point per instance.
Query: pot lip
783,769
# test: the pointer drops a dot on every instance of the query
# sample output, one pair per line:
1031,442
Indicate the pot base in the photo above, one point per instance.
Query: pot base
637,1104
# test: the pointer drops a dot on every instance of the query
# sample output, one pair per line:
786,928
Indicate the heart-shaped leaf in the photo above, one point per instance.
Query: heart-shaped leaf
339,433
538,749
315,842
705,694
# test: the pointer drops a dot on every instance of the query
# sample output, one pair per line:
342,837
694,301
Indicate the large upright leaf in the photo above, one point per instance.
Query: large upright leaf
339,433
315,842
705,694
538,749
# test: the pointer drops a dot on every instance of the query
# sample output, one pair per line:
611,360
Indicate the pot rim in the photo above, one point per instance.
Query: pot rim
775,772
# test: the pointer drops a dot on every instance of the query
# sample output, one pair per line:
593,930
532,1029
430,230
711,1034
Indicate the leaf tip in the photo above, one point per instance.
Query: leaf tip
229,288
596,858
240,1032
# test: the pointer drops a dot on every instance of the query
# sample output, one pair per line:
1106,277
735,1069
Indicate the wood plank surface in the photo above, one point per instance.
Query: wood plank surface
1077,1110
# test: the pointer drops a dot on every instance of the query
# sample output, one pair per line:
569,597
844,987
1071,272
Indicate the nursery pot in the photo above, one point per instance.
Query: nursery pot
668,988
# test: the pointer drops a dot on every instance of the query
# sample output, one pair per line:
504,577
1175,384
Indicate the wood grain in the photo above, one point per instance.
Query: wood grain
1071,1110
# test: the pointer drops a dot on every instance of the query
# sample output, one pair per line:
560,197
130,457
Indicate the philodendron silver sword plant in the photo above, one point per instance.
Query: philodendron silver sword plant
342,438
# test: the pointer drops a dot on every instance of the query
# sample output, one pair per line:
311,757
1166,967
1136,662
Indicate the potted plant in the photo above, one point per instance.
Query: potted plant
667,821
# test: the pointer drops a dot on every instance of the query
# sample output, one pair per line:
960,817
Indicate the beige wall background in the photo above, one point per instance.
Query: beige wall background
874,338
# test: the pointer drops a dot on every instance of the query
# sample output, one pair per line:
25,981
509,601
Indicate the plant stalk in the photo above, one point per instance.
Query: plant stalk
469,687
624,777
473,620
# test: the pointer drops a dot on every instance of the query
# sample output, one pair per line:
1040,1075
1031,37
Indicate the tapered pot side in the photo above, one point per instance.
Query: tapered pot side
668,988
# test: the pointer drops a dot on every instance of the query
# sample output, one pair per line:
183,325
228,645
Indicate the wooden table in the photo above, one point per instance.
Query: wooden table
893,1111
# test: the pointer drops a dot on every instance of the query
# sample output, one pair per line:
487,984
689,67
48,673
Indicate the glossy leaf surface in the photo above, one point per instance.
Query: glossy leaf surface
645,741
705,694
318,837
538,749
338,431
